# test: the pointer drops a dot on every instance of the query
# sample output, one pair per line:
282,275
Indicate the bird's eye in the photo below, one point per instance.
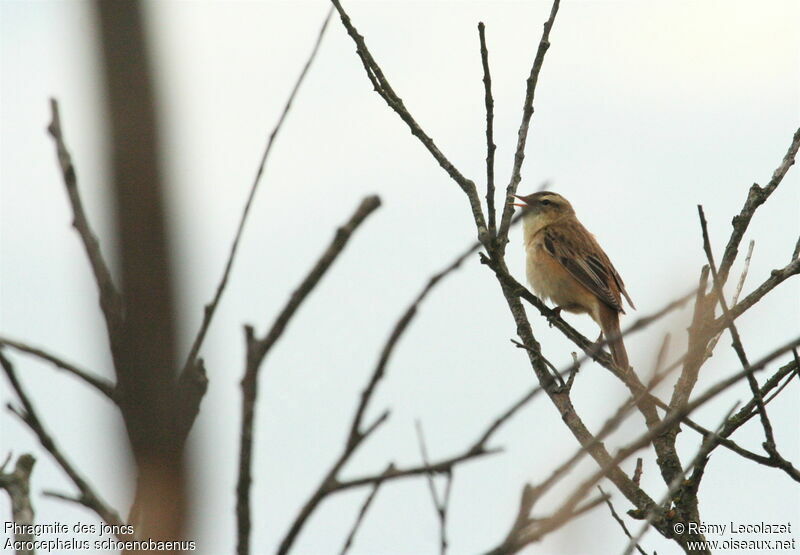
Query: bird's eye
545,202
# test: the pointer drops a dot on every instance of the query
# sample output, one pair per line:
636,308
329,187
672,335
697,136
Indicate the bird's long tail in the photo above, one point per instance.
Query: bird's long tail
609,323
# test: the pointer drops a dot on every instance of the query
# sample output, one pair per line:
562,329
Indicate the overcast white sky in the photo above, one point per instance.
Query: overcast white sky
643,111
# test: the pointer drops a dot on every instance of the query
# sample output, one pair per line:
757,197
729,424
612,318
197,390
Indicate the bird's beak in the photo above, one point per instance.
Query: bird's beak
520,205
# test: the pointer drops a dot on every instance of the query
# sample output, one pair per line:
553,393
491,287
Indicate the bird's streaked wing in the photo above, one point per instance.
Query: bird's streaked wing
577,251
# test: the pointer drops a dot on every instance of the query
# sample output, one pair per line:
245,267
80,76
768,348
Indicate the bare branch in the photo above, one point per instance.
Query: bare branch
619,520
384,89
566,410
257,349
590,348
397,332
111,302
769,443
443,466
747,412
677,484
102,385
776,278
88,498
739,286
531,530
531,494
737,342
440,505
210,308
506,415
703,328
331,483
755,198
356,436
745,270
361,513
522,135
669,421
697,351
490,146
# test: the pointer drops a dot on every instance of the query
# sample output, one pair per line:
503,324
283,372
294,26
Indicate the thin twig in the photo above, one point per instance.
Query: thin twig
440,505
397,332
739,286
111,303
619,520
257,349
490,146
443,466
361,514
531,494
776,277
531,530
381,85
697,351
522,135
88,498
356,435
748,410
331,483
755,198
746,413
211,307
104,386
737,342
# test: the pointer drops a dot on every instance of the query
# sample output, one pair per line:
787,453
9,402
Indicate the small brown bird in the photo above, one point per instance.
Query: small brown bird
566,265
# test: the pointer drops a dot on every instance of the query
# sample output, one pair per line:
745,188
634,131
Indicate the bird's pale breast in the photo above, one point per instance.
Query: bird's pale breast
551,280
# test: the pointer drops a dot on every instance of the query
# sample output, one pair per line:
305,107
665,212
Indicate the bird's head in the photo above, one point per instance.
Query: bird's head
544,207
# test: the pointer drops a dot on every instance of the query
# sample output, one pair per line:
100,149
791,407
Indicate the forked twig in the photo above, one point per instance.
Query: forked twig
440,505
88,498
257,349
